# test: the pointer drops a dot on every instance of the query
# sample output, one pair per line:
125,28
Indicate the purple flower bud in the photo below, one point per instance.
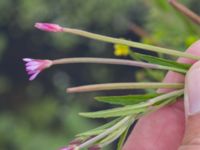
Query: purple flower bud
49,27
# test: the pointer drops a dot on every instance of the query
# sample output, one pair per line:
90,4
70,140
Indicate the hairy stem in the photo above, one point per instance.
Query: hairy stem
130,43
114,62
107,61
120,86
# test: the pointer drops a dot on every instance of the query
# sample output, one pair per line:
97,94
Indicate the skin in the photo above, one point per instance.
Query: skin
165,128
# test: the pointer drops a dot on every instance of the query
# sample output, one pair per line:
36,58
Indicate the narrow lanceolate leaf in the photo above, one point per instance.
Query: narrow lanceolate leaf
100,129
91,133
161,61
113,136
117,133
115,112
126,99
122,139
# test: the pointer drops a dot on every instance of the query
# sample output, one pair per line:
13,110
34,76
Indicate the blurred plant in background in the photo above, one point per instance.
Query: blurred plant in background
44,116
167,27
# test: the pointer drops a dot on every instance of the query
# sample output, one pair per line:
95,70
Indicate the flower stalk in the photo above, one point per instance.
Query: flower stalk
107,61
121,86
45,27
130,43
112,61
35,66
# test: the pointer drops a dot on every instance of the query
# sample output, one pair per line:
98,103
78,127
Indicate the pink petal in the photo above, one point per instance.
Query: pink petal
32,63
29,72
32,67
34,76
27,59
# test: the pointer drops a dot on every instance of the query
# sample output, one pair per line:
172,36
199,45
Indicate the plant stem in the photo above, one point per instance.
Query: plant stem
114,62
108,131
130,43
120,86
186,11
107,61
165,96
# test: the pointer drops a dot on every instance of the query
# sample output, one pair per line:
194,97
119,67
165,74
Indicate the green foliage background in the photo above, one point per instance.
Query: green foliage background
39,114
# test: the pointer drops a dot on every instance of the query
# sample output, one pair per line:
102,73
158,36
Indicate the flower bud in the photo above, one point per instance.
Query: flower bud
49,27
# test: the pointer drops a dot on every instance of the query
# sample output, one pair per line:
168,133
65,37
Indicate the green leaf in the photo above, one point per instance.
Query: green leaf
115,112
113,136
126,99
160,61
100,129
122,139
91,133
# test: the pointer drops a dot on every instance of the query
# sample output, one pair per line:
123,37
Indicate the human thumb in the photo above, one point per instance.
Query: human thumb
191,140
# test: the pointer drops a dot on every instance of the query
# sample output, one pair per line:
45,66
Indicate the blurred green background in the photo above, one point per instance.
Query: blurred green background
39,114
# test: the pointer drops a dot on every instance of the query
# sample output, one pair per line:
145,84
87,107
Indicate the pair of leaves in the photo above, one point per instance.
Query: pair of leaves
134,105
135,109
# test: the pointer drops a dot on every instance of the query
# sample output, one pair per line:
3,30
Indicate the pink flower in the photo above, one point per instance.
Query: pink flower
49,27
35,66
71,147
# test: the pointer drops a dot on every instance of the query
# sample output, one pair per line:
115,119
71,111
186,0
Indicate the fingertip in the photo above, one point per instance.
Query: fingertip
193,49
192,94
177,77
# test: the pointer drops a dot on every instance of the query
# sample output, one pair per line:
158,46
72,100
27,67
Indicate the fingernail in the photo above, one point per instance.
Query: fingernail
192,90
